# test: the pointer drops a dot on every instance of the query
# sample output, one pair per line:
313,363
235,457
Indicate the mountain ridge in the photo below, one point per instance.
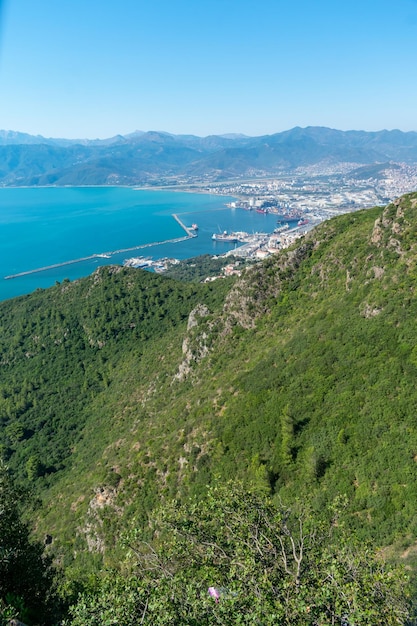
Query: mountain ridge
156,157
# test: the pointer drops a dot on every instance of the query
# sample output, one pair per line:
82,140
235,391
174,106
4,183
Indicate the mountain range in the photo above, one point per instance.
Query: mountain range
160,158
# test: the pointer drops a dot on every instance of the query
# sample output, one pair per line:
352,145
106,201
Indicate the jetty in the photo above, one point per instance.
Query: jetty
190,234
53,266
190,231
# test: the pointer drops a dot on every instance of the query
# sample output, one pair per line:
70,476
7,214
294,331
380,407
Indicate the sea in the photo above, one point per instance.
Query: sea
45,226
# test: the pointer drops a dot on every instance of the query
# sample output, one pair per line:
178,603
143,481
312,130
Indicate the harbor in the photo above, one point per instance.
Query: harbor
191,232
251,244
83,238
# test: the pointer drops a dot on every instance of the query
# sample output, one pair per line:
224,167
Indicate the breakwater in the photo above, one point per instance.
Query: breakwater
190,233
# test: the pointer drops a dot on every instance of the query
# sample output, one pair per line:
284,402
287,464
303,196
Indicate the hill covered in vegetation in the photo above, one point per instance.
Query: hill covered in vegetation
126,390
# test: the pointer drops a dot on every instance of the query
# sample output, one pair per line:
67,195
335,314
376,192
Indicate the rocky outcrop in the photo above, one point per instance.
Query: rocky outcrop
104,498
195,344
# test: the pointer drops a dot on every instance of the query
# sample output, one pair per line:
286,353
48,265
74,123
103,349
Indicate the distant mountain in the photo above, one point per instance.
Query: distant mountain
11,137
156,157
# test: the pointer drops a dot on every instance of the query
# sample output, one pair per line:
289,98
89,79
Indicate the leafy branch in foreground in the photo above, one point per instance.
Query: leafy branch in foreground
263,564
26,575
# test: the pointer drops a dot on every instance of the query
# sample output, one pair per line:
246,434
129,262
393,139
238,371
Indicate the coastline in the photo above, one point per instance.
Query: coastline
44,227
110,253
185,189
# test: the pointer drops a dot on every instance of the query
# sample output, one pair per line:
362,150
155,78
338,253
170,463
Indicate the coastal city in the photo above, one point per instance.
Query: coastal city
300,201
330,191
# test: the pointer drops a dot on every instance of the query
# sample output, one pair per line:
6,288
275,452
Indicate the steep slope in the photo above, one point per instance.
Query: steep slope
331,374
299,379
60,349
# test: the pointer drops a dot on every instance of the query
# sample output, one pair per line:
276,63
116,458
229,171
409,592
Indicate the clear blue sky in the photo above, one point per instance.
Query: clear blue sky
95,68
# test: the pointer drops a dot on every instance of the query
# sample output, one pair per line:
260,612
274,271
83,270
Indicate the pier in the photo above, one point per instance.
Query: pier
190,234
190,231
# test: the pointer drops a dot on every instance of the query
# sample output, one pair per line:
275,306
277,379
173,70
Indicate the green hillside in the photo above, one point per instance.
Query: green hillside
124,390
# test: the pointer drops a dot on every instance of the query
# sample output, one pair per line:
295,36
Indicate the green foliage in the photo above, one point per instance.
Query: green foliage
116,599
298,379
267,565
198,268
60,354
26,576
287,437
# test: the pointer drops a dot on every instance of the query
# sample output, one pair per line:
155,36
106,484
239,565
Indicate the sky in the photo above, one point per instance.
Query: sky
97,68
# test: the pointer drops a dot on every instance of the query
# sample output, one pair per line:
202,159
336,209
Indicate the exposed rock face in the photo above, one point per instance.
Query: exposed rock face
368,311
376,236
390,226
201,310
250,297
194,345
104,497
378,271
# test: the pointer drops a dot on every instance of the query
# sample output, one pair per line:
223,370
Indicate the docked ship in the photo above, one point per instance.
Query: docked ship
225,236
302,222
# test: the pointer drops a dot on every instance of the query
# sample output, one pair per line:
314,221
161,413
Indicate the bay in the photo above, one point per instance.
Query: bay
45,226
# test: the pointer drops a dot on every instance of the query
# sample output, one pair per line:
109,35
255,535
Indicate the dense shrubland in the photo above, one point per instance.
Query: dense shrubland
125,391
235,558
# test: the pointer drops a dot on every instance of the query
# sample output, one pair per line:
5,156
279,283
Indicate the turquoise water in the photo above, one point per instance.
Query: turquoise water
44,226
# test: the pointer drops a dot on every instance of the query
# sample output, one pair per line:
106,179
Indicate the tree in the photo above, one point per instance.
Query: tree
287,437
262,563
26,576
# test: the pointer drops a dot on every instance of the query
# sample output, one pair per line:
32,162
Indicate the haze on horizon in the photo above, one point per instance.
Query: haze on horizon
100,68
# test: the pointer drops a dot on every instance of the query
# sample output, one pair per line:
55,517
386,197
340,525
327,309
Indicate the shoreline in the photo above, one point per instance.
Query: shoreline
217,215
190,234
135,187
